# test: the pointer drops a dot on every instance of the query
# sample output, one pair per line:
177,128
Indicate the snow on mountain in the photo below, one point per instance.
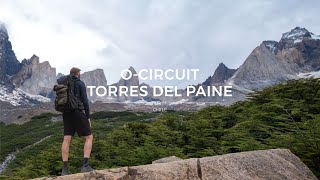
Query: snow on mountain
315,36
273,62
142,102
314,74
179,102
19,97
297,41
298,34
271,45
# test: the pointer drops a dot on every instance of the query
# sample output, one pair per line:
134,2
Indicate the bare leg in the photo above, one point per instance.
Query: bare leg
87,146
65,147
86,154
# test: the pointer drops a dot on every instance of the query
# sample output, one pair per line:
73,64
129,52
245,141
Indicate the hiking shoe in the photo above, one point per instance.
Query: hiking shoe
65,171
86,169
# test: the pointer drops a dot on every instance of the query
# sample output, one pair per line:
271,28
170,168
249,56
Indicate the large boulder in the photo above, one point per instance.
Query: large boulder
263,164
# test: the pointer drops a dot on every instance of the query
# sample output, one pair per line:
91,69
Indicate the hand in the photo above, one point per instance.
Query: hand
89,122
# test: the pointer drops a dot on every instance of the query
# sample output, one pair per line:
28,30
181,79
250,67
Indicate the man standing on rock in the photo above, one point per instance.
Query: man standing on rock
77,121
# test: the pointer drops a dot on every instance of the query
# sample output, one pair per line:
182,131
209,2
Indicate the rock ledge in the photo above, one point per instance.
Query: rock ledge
262,164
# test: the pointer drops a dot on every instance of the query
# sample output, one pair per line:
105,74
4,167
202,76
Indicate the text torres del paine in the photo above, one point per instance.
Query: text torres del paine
169,91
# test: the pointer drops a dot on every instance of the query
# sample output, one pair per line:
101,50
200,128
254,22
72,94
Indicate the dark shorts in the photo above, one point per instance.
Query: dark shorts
76,121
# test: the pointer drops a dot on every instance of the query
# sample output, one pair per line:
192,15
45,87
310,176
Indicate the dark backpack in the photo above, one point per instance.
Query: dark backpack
65,100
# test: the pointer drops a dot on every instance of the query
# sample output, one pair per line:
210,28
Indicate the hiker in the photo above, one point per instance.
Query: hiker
71,100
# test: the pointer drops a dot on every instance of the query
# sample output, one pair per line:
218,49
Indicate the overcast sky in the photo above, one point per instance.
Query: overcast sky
115,34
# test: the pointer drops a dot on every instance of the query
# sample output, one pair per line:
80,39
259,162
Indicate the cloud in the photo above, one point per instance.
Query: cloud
114,35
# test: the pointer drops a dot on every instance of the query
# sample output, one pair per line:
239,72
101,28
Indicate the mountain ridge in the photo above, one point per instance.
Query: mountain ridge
272,62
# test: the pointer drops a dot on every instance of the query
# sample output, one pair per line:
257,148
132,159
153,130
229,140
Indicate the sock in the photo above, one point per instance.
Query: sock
85,161
65,164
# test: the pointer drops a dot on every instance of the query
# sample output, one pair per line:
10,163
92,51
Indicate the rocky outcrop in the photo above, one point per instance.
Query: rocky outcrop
150,96
9,67
30,75
263,164
133,81
306,54
296,35
221,74
94,78
298,51
262,68
8,60
166,160
35,77
9,64
300,47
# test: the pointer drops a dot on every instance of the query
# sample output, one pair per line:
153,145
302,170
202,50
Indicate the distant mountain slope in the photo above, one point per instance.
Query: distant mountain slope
221,74
9,68
31,81
298,51
9,64
94,78
262,68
